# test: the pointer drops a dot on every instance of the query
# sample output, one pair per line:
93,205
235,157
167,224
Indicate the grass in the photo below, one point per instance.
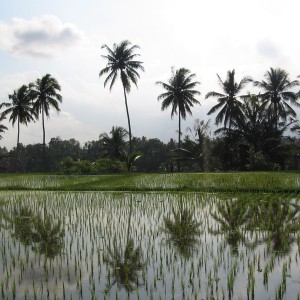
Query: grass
192,182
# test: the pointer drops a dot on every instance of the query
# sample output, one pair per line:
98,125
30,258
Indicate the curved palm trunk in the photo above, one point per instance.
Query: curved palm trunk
128,118
179,142
44,138
18,143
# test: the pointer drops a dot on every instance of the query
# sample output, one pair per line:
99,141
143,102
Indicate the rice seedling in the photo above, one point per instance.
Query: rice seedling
129,245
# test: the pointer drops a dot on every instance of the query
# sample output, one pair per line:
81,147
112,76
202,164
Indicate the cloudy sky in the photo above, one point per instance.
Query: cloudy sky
64,38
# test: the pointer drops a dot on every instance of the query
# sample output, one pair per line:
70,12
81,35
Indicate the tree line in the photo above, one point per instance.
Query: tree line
201,152
251,133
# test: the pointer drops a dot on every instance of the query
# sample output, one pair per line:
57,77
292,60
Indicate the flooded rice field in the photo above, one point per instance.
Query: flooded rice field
102,245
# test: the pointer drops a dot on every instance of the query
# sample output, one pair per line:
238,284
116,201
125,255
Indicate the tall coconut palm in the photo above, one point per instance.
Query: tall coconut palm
180,94
44,93
228,104
19,109
277,91
121,63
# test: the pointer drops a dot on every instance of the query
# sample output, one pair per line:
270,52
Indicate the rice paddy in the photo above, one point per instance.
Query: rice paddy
149,245
197,182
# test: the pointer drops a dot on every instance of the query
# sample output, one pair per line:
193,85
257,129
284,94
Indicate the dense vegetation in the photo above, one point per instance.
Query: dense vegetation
253,134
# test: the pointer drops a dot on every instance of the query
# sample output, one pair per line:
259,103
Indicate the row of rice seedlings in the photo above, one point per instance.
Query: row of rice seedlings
139,246
164,181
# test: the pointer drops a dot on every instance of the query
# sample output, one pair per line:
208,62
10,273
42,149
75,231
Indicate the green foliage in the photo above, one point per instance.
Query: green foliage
69,166
258,161
108,165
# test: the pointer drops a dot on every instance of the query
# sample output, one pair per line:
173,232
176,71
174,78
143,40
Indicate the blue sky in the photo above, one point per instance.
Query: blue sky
64,38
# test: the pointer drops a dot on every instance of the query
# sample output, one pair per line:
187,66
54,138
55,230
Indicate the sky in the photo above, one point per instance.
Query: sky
64,38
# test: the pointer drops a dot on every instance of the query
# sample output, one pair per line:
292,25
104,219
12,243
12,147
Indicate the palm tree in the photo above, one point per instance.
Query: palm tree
44,93
20,109
276,93
228,103
121,62
114,145
180,94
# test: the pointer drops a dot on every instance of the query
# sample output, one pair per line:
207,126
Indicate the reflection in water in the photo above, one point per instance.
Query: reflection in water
182,230
231,216
42,233
110,246
125,266
281,221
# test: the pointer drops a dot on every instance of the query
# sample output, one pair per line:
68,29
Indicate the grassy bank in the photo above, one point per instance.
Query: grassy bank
231,182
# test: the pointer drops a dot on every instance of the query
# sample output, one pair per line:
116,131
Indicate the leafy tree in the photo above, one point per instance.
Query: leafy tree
276,93
92,150
121,62
59,149
228,103
44,93
155,153
180,94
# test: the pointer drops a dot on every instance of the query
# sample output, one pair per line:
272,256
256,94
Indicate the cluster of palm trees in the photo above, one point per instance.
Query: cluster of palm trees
256,117
29,102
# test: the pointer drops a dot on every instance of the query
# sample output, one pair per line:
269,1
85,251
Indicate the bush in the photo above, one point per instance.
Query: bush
70,166
108,165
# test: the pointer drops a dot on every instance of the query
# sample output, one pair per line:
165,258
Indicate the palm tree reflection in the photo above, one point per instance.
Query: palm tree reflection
182,231
232,216
281,221
42,233
126,264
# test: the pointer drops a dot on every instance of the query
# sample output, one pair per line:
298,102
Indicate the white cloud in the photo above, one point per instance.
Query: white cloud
42,36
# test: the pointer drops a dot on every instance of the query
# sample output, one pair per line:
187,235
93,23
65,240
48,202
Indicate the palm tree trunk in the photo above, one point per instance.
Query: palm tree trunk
128,118
44,138
276,116
179,143
18,137
18,163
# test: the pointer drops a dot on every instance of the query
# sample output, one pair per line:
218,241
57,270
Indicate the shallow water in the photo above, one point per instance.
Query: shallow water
149,246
